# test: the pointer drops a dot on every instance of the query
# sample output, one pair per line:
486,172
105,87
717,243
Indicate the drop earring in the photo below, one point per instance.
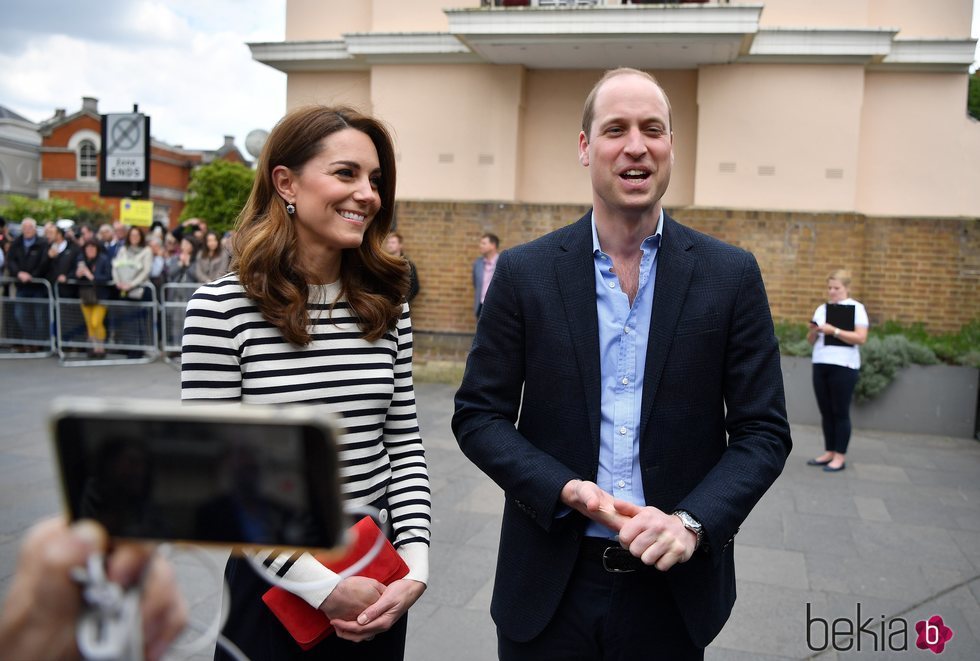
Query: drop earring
290,208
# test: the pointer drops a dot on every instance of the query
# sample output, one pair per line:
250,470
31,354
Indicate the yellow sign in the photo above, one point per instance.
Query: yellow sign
136,212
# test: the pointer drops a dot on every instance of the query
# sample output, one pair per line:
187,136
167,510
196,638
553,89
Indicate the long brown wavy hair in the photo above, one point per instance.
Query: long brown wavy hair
266,246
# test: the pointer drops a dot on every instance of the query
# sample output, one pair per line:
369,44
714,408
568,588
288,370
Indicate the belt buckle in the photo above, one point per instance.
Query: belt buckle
609,557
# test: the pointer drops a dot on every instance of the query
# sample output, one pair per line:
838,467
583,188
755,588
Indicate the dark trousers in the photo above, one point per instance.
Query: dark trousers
834,387
33,319
609,617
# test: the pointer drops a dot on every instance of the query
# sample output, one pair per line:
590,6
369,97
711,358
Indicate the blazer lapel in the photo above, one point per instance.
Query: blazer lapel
675,264
575,270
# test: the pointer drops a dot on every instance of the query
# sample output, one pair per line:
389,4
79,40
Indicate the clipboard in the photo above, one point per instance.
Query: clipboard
842,317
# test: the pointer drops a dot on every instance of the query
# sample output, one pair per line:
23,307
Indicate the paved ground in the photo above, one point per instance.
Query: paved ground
896,534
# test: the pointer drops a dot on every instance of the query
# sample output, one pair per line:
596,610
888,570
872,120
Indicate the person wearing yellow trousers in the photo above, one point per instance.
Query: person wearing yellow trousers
94,271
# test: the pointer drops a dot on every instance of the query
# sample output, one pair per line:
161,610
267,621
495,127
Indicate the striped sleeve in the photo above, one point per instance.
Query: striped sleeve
408,492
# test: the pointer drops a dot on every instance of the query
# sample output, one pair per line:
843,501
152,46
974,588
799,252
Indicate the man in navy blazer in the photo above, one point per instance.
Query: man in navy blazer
638,360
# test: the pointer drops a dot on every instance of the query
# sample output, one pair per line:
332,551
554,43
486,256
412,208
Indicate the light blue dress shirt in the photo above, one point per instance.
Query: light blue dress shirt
623,335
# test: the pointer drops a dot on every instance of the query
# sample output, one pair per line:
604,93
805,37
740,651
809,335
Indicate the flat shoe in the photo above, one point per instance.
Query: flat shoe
817,462
831,469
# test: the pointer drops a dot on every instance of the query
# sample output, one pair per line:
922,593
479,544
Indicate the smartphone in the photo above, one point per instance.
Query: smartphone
203,473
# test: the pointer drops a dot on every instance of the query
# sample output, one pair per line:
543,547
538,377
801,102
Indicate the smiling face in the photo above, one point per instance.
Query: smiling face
629,149
335,193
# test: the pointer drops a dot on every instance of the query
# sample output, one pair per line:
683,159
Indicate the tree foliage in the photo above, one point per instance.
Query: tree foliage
973,97
17,207
217,192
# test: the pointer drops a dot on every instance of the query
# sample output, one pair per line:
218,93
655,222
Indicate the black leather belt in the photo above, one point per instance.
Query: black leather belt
613,557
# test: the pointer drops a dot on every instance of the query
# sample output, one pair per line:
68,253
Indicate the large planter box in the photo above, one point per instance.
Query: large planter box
923,399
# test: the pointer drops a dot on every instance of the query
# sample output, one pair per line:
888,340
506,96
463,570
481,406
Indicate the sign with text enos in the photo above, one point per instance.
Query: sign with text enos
125,143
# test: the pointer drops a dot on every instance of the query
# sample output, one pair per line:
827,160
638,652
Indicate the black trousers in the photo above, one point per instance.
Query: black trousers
609,617
834,386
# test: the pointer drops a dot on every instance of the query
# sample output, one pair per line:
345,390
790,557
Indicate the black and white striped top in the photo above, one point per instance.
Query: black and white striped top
231,353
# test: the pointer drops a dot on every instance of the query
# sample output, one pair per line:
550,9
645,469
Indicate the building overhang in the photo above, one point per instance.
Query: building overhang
669,36
602,37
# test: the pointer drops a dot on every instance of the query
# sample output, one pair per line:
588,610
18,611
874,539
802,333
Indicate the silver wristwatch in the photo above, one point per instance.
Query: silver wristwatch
691,524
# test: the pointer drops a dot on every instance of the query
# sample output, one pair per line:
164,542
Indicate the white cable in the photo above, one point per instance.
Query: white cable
212,632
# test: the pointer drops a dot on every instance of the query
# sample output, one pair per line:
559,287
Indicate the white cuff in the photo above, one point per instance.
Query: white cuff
307,568
416,556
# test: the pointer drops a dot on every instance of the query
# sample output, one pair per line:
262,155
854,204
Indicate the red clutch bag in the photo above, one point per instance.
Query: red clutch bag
308,625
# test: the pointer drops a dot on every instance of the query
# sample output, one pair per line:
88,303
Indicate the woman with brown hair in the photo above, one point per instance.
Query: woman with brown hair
313,312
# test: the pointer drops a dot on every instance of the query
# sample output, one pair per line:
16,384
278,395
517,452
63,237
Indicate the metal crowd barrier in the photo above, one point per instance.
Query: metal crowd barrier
130,326
26,314
173,306
40,321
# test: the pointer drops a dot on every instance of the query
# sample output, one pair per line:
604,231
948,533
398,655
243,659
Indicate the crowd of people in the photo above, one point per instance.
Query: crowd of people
113,262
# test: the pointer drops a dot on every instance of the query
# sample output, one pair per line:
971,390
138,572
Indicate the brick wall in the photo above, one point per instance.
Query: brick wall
907,269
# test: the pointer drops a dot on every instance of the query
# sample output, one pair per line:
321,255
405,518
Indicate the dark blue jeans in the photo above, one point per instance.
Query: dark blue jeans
834,386
33,318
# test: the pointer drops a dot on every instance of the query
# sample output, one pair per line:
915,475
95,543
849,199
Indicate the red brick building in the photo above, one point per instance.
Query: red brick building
70,147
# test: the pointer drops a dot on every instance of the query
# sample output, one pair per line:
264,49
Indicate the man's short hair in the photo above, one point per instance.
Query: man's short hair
493,238
588,112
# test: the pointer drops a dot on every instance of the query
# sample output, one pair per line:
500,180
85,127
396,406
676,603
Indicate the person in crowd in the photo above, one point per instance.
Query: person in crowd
48,230
312,285
158,265
39,617
483,269
94,272
642,359
108,239
27,262
132,265
181,267
228,242
836,368
62,256
171,245
84,235
131,269
395,245
212,260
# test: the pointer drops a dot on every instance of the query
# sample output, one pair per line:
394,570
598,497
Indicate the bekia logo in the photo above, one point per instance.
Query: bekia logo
933,634
881,634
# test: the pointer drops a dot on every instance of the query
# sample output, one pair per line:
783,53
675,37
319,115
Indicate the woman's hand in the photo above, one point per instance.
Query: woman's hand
382,615
351,596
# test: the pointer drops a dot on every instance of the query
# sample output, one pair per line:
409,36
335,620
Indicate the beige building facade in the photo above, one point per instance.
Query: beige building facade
818,134
830,105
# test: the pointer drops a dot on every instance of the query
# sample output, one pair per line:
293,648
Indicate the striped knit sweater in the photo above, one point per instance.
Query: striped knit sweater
231,353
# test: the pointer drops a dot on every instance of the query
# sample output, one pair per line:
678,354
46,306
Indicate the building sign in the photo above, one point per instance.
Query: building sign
125,155
136,212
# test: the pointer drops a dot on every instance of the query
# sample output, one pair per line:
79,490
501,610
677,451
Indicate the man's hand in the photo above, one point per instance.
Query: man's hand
351,596
653,536
382,615
591,501
24,276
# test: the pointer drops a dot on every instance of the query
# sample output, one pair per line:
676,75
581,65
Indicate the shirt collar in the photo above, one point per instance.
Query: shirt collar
597,249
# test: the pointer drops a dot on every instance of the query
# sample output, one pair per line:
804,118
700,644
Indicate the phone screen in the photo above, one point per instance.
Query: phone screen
222,482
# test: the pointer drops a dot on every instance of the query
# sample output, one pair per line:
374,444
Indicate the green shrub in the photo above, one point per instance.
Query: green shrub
882,357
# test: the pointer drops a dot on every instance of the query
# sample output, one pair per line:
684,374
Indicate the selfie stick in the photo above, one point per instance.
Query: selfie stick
109,628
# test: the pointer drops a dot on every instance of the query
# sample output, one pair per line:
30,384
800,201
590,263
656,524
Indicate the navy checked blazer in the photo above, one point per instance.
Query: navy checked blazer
713,432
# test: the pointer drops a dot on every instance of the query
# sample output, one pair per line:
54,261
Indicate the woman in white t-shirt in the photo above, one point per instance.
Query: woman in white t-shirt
835,370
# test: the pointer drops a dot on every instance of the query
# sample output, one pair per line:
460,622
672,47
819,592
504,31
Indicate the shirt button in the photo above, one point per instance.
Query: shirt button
627,330
626,381
621,484
622,431
612,285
